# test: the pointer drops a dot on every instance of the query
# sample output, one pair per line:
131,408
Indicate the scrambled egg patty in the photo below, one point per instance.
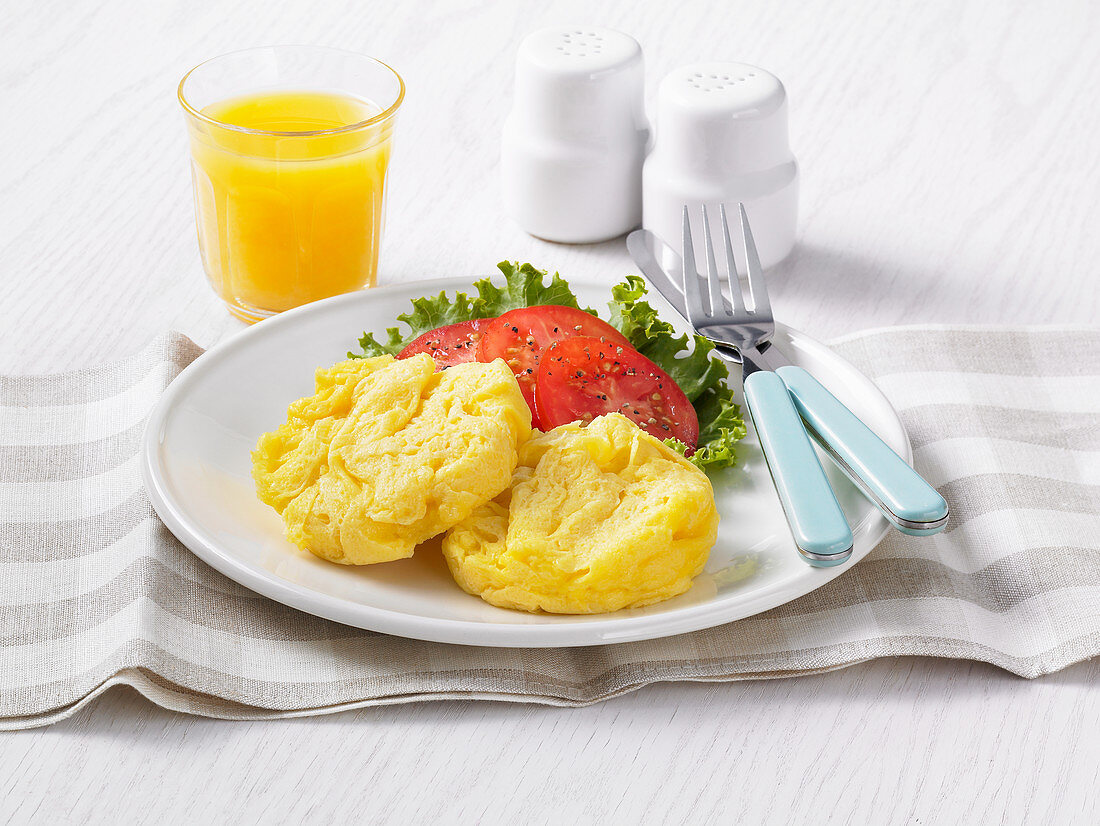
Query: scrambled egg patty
387,453
598,518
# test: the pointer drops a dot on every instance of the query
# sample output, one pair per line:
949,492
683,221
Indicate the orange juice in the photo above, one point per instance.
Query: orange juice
289,190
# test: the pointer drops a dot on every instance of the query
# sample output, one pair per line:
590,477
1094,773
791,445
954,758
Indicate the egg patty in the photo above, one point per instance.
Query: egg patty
598,518
387,453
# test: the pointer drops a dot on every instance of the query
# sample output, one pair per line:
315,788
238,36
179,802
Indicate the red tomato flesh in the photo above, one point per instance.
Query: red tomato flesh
581,377
450,345
521,336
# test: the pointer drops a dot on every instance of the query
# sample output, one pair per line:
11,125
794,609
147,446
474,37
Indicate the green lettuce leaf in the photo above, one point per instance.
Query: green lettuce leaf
701,376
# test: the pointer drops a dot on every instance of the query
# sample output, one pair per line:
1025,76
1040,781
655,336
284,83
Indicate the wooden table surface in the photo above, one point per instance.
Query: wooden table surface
950,174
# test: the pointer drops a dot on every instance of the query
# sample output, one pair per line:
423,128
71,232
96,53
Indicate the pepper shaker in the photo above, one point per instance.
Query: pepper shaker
576,137
722,138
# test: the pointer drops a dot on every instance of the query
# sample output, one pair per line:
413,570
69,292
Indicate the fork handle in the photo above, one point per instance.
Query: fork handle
911,504
820,531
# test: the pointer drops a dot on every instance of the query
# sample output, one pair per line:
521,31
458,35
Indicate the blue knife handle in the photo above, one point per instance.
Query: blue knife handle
817,524
904,497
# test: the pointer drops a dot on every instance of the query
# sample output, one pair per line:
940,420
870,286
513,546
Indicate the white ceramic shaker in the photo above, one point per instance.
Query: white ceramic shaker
576,137
722,138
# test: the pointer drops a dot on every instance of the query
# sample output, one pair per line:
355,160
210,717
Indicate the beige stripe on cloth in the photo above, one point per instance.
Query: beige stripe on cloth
95,592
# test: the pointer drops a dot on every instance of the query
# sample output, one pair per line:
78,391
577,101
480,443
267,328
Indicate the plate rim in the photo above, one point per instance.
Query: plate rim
452,631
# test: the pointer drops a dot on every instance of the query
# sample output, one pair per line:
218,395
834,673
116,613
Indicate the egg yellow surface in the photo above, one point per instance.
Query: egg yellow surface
598,518
388,453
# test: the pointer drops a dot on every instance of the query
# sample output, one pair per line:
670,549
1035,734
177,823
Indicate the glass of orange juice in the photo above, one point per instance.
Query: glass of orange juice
289,150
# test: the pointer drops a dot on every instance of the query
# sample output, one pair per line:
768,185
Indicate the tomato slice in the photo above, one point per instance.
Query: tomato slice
450,345
582,377
520,337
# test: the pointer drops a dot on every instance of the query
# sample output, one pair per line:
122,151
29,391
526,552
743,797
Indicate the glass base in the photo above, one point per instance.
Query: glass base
249,315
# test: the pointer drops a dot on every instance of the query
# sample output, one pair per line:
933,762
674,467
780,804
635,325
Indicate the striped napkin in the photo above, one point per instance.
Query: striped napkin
95,592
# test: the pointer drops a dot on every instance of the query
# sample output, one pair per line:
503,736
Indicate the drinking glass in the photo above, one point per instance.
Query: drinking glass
289,151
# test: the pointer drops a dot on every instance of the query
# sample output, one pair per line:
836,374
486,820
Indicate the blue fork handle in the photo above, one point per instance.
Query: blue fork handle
817,524
904,497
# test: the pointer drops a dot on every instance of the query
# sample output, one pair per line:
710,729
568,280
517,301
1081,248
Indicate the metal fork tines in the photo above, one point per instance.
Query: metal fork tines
734,324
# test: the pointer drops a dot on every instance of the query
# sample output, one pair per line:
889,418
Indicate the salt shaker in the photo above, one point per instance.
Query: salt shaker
576,137
722,138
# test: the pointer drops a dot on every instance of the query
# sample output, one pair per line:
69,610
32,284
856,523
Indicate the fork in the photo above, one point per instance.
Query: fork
773,386
818,525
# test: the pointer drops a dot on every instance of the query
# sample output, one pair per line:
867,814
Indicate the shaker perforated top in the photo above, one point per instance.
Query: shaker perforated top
578,50
736,89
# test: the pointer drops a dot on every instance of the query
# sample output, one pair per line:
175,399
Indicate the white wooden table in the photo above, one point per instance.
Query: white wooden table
951,174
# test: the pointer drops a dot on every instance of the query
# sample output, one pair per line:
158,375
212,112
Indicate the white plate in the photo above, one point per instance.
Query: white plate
197,472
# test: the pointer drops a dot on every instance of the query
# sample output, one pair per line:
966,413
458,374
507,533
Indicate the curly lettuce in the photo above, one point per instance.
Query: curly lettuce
687,360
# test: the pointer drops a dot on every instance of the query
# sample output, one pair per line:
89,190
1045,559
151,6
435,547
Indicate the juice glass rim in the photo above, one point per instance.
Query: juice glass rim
374,119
